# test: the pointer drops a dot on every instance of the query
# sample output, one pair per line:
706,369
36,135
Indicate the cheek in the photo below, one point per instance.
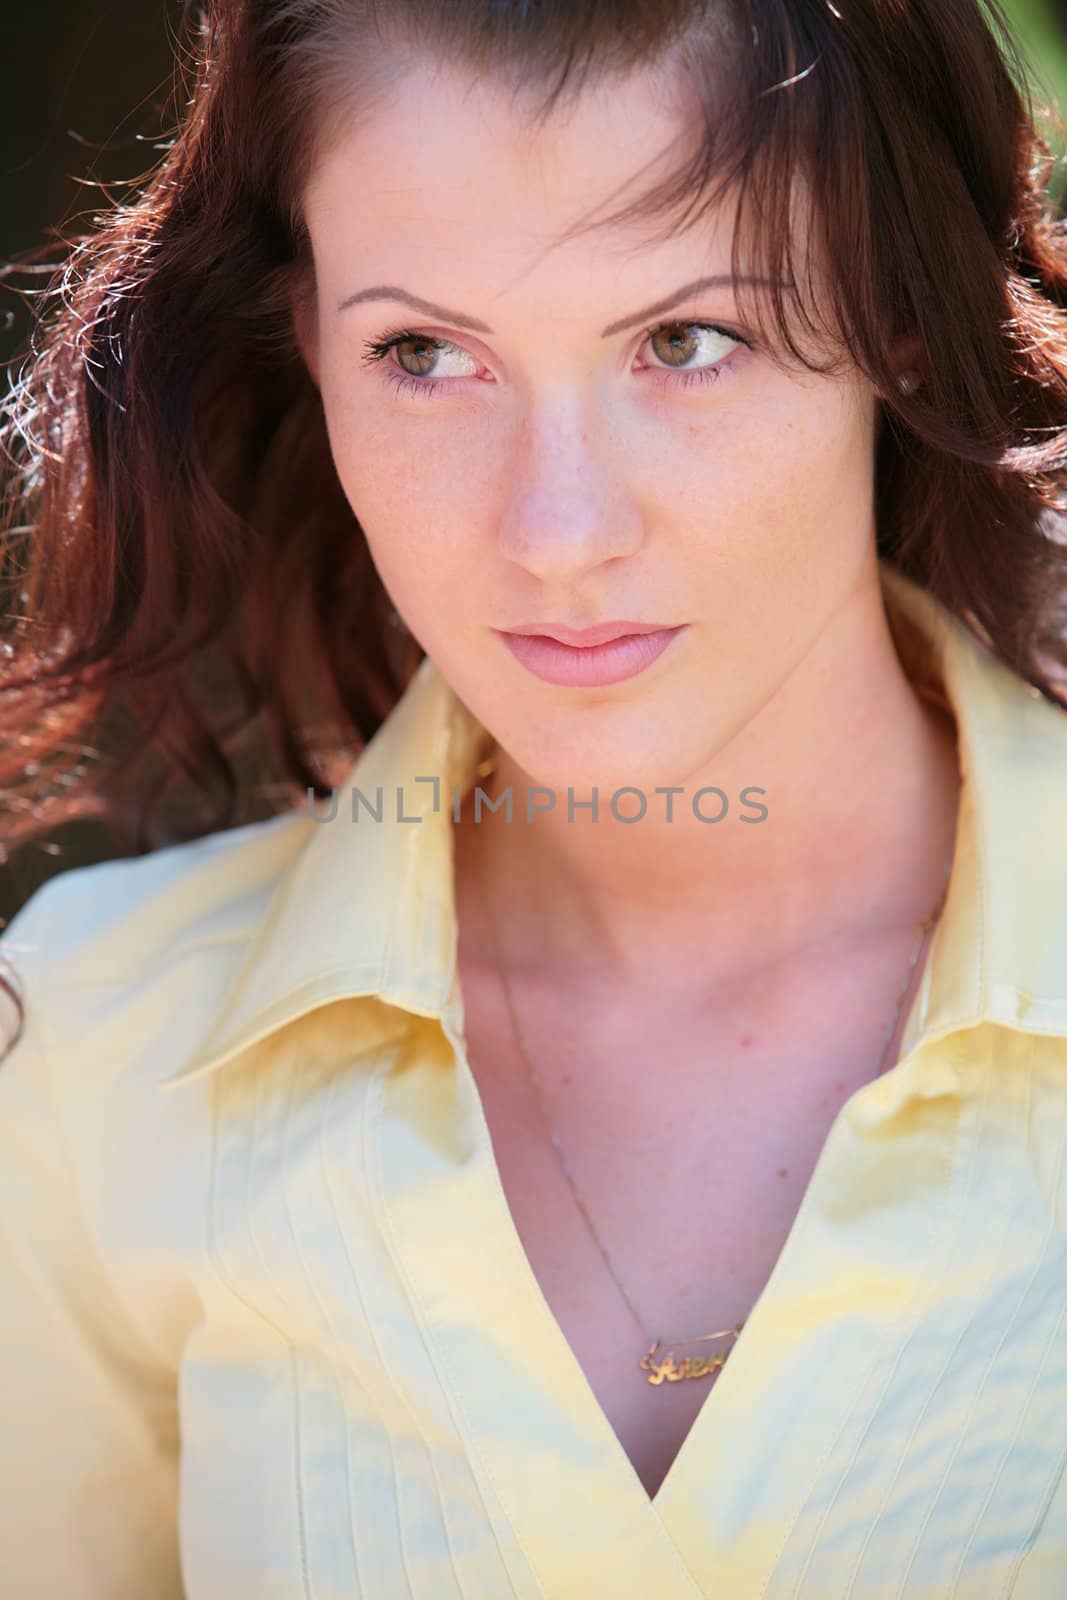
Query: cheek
771,437
803,461
418,505
406,443
770,509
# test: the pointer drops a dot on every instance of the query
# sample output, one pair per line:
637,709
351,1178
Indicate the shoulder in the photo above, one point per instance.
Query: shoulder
103,950
114,918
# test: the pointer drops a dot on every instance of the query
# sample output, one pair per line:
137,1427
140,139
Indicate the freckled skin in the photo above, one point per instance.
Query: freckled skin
555,478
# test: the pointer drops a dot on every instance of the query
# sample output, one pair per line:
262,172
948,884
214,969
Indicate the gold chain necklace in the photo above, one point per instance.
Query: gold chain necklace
666,1369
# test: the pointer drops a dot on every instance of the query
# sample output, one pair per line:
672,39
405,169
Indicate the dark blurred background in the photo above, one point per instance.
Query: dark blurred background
87,96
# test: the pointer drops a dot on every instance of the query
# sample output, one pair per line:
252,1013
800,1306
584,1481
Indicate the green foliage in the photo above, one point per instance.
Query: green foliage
1040,28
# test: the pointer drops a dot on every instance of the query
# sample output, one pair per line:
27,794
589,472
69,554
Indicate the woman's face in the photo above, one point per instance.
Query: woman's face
545,448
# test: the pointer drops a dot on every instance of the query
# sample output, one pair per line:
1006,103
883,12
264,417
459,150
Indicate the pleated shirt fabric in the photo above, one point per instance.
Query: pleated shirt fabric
268,1328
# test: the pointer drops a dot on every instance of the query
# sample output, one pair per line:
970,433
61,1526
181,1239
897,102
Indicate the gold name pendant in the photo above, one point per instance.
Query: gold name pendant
668,1370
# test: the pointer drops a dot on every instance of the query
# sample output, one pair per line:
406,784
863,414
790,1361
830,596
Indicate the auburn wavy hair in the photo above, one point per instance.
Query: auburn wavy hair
191,614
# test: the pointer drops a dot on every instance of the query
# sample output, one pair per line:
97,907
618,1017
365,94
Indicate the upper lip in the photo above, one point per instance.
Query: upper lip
601,633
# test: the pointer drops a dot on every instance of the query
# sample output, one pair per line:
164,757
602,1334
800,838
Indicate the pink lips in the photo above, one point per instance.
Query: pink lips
613,651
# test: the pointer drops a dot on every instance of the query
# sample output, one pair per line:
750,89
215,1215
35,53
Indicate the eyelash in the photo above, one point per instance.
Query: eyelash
377,351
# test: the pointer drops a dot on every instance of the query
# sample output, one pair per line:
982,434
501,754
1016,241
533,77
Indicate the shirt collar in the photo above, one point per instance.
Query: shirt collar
367,907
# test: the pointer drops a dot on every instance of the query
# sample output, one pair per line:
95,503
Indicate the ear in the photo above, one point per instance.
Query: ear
303,310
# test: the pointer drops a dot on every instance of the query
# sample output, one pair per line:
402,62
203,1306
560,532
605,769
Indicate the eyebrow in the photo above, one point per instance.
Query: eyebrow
390,291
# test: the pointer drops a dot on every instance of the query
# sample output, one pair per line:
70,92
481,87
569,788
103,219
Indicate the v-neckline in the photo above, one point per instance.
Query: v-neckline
546,1446
503,1225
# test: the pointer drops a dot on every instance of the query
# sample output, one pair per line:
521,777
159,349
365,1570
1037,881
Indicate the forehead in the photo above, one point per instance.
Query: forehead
452,167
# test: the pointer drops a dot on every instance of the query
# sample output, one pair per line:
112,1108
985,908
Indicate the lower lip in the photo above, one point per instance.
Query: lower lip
591,665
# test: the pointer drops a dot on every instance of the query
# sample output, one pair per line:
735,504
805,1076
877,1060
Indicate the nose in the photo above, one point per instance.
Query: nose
567,508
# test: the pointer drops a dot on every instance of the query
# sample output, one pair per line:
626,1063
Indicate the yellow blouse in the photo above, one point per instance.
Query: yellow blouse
268,1326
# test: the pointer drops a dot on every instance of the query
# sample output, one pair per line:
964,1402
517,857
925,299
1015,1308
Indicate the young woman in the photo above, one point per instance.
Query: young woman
604,1133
